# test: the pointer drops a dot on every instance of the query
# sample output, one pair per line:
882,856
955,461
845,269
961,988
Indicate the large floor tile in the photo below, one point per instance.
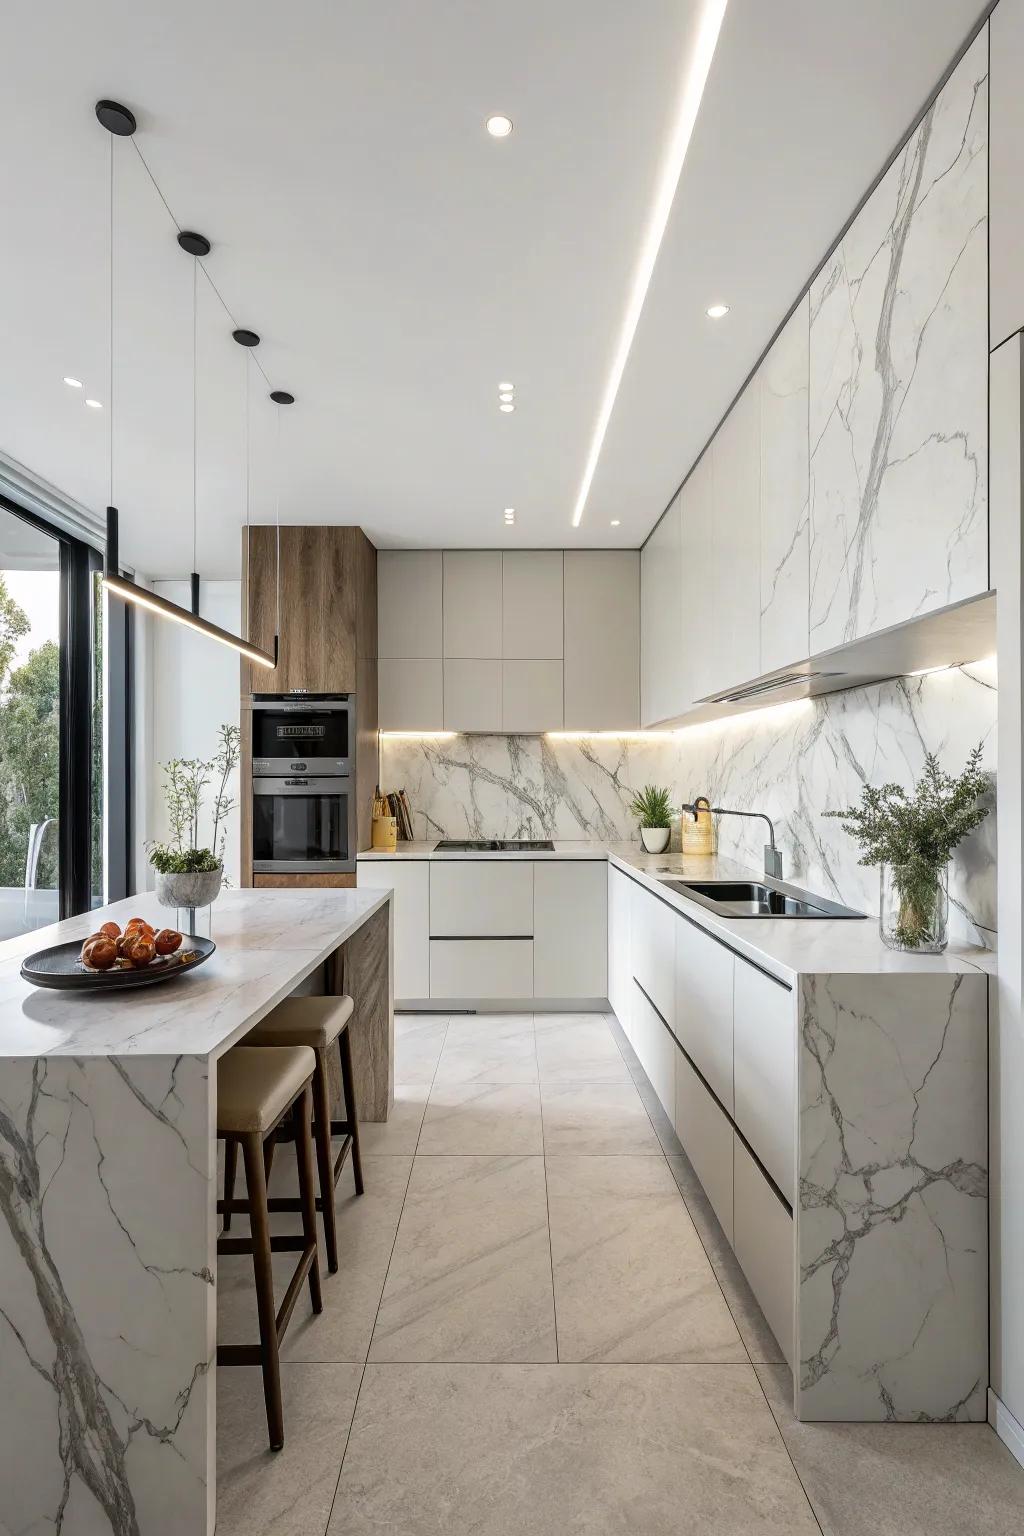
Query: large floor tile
418,1041
550,1450
483,1118
367,1226
288,1492
496,1048
470,1278
580,1051
609,1177
399,1134
632,1282
595,1119
900,1479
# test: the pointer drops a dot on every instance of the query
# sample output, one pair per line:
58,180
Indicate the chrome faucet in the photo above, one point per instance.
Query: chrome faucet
772,855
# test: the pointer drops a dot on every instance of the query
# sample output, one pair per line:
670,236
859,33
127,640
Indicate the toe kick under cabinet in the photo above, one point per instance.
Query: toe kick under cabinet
838,1125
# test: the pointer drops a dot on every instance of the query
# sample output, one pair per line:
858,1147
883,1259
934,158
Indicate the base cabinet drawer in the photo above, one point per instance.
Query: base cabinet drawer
652,947
703,983
707,1139
484,968
620,978
764,1071
655,1049
763,1243
485,899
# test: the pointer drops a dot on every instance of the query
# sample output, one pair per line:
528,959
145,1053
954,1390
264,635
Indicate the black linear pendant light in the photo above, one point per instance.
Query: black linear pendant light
120,123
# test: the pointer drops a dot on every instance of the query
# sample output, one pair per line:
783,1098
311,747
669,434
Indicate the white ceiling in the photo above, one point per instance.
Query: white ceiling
398,262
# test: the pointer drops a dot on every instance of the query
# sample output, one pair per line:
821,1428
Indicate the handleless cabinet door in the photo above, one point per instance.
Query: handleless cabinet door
481,898
785,493
697,511
663,687
763,1241
410,695
602,640
703,1007
472,604
531,697
410,917
736,544
620,967
531,605
656,1051
764,1071
1006,192
652,924
707,1139
408,603
570,926
472,695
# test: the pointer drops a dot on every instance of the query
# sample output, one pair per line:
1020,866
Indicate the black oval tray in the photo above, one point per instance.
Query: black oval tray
61,967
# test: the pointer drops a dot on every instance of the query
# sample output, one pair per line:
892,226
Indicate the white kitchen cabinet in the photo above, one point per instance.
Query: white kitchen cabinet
1006,193
763,1242
472,695
570,928
410,910
489,969
736,544
764,1070
410,695
531,697
531,604
696,657
620,962
485,897
663,690
602,639
704,1005
785,494
656,1051
652,945
472,604
707,1139
408,604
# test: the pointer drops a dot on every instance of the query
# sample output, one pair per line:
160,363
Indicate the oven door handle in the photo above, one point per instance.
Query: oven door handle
332,786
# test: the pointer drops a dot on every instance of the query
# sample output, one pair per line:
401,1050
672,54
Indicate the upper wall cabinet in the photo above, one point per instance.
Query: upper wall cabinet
898,382
1006,187
409,603
736,545
698,673
531,605
602,639
472,604
662,686
782,384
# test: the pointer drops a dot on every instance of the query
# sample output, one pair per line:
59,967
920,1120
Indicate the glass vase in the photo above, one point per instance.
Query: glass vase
913,910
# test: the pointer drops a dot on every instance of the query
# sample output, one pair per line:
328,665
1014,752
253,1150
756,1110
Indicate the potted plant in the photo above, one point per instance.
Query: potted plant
911,837
189,875
652,808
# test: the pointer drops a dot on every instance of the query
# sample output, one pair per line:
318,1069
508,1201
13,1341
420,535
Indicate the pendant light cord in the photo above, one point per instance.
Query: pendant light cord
195,401
110,425
277,472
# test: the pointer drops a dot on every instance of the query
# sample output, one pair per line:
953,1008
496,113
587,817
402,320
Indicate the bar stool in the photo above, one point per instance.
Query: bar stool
255,1090
317,1022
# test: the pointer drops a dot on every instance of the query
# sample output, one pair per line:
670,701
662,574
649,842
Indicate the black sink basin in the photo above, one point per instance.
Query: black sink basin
759,898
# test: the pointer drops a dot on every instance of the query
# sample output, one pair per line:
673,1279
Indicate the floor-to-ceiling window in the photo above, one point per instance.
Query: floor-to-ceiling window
56,853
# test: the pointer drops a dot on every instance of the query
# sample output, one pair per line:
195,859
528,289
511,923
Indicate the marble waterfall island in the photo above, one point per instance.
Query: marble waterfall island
108,1168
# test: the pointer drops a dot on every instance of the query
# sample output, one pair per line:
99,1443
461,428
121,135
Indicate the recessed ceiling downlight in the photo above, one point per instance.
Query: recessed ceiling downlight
74,383
506,406
506,385
499,126
615,522
717,311
97,405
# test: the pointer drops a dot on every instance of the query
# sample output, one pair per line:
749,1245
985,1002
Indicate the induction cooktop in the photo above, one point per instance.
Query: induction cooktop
498,845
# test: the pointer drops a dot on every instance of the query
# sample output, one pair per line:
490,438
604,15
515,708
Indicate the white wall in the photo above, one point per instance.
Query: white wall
186,687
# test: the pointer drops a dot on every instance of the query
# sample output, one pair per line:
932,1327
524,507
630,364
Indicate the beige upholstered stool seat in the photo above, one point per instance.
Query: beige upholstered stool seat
255,1087
315,1021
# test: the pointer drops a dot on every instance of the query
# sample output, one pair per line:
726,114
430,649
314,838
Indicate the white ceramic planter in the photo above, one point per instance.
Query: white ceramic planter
655,839
192,890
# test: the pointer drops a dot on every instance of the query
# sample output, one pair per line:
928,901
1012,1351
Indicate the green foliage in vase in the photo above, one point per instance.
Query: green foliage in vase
185,780
182,861
652,807
915,834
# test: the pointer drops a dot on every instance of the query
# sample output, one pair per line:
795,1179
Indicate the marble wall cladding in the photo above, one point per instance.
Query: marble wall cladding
107,1295
892,1220
793,762
898,382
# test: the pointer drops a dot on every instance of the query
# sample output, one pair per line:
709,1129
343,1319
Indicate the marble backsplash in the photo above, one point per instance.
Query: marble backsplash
793,761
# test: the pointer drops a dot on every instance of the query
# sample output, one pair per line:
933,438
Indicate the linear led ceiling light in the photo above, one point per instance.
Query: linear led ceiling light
694,81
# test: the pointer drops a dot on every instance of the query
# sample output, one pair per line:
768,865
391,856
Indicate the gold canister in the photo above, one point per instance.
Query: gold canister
698,835
384,834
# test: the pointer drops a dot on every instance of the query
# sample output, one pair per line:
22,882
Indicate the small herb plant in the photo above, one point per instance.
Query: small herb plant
915,834
652,807
185,780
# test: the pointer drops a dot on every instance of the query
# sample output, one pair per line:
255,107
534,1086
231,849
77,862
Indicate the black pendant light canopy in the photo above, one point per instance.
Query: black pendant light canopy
116,119
246,338
195,245
282,397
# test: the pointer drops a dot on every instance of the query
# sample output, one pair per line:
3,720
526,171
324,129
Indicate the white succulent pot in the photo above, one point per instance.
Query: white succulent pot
190,890
655,839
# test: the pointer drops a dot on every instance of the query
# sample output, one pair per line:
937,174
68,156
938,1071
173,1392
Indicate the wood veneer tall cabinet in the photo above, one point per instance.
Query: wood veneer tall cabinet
327,641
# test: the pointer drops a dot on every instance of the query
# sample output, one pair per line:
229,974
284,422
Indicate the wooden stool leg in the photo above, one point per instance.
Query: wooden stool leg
230,1169
324,1160
259,1221
303,1130
351,1113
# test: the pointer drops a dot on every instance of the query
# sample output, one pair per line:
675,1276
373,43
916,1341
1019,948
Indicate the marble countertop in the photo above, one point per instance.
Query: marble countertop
786,947
267,942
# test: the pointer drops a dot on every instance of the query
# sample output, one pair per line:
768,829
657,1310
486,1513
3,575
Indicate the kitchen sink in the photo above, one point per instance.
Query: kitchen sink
758,898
